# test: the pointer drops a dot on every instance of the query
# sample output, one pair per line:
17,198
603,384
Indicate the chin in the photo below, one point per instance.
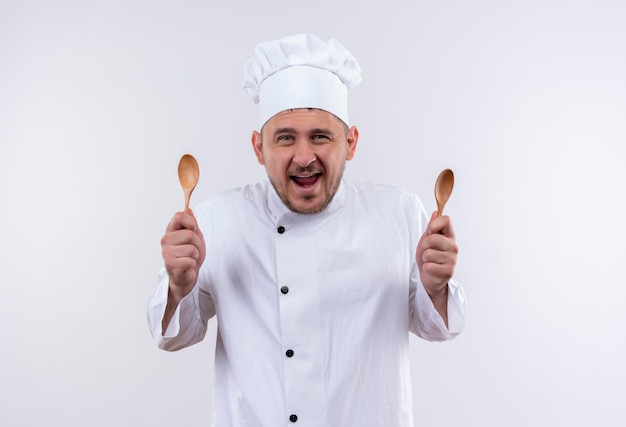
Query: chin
305,209
308,206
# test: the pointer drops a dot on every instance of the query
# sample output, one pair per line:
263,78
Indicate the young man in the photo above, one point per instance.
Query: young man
316,279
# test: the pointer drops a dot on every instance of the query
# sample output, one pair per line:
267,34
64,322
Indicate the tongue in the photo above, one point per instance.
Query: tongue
306,182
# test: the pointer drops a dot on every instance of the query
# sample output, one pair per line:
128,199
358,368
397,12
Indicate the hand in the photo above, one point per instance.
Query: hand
436,254
183,250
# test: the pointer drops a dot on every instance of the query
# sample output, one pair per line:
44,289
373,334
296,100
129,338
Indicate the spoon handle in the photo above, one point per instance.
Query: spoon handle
187,197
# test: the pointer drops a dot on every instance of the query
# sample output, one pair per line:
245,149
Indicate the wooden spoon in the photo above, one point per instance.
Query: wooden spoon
443,189
188,175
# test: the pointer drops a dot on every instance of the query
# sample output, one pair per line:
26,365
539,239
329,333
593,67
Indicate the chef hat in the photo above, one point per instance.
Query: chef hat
301,71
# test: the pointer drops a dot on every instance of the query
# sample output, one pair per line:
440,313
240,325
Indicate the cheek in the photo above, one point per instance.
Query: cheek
275,165
337,159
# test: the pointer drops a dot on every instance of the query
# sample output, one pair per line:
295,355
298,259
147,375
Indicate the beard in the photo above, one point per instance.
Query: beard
327,195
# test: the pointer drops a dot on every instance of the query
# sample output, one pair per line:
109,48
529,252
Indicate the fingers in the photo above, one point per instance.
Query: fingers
182,220
182,248
439,261
441,225
180,252
437,252
183,237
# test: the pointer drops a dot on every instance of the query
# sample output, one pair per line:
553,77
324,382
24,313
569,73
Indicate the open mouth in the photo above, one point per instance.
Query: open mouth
308,180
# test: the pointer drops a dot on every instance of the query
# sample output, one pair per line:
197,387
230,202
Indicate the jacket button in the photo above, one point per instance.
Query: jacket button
284,289
280,229
289,353
293,418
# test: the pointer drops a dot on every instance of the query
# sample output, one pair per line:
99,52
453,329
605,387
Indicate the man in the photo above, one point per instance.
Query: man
316,279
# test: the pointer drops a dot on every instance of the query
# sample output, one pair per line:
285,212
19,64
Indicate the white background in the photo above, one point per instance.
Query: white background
525,100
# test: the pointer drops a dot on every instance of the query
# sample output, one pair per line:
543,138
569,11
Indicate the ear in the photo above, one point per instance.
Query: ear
353,139
257,146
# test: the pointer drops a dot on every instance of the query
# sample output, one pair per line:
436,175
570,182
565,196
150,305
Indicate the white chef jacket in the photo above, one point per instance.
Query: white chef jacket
313,310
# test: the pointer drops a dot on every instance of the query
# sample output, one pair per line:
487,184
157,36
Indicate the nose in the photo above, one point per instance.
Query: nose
303,154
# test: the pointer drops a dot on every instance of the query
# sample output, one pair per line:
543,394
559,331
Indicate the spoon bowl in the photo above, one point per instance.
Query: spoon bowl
188,175
443,189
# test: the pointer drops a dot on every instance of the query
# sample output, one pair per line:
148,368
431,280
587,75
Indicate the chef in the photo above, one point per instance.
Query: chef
316,278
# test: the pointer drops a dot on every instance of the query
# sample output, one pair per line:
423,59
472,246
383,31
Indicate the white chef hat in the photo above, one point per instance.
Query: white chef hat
301,71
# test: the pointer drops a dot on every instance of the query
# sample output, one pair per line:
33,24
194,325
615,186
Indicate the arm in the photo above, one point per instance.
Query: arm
176,305
183,249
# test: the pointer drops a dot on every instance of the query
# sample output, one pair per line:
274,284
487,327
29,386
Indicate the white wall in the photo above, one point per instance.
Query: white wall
525,100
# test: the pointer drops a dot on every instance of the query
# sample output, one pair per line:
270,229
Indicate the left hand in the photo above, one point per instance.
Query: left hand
436,254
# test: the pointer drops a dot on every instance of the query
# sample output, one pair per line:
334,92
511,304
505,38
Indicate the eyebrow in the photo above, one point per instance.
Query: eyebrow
315,131
323,131
280,131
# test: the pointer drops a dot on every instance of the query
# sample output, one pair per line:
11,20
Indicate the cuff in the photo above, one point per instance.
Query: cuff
456,308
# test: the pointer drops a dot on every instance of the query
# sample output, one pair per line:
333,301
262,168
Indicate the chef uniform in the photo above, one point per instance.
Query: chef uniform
313,310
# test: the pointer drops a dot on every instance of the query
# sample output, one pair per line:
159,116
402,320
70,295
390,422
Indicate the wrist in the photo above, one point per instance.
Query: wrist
175,294
439,298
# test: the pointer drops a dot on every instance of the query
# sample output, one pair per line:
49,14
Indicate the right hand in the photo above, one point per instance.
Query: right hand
183,249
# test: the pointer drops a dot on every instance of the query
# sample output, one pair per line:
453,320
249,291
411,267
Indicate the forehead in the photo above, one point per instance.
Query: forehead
302,119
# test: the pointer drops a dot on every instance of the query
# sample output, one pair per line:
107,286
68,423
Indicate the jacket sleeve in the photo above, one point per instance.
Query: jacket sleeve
189,322
425,320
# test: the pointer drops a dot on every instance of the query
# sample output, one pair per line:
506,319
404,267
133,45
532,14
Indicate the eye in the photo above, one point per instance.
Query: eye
284,139
320,138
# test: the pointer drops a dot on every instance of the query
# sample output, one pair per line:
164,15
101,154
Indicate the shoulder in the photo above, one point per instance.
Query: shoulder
385,195
388,205
236,200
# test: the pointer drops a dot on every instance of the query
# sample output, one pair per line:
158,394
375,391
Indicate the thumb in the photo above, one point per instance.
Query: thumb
420,246
429,228
196,227
202,247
